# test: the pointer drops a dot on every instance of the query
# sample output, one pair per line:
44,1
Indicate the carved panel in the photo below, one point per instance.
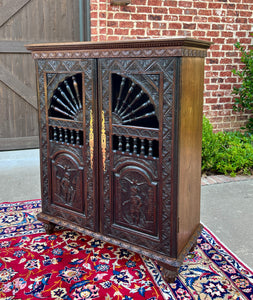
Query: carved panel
67,182
135,200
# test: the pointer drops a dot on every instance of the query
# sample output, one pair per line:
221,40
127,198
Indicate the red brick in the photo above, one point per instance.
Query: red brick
121,31
205,12
186,19
217,54
184,33
213,19
217,107
245,41
124,24
242,6
155,18
213,33
171,18
190,26
218,27
170,3
245,13
218,93
151,2
153,32
185,4
143,24
157,25
141,2
241,33
121,16
175,26
212,87
218,67
224,99
241,20
214,5
204,26
137,32
199,19
169,33
245,27
176,11
198,33
199,4
211,101
212,61
160,10
225,87
139,17
227,47
227,34
144,9
188,11
217,80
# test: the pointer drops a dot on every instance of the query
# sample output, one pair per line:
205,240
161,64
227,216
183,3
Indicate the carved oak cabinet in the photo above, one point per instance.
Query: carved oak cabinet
120,142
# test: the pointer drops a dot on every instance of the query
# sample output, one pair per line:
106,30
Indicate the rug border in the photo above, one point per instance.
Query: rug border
224,246
20,201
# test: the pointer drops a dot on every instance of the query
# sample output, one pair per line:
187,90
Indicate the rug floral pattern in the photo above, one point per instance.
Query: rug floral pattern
68,265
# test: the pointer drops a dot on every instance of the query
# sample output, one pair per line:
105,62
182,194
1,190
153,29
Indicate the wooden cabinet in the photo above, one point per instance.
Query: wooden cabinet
120,141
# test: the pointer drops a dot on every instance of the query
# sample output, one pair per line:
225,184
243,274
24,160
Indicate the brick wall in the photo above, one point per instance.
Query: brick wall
224,22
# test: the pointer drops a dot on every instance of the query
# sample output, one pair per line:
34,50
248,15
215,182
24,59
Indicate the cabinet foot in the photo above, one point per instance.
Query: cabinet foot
169,273
49,227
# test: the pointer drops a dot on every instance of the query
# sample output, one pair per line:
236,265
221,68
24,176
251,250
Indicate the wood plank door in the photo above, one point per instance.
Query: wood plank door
23,22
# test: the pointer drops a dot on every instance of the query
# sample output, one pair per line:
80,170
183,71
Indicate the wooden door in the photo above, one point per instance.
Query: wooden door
68,140
23,22
137,107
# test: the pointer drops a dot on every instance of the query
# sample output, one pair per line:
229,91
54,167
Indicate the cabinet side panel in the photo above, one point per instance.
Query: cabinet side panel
189,147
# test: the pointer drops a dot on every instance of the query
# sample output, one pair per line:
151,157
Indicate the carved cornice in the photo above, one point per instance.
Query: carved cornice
126,53
179,46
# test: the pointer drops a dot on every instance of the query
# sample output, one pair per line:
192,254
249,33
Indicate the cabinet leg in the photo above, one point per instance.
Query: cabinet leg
169,273
49,227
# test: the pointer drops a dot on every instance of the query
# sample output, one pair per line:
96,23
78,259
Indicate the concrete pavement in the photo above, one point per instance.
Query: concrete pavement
226,207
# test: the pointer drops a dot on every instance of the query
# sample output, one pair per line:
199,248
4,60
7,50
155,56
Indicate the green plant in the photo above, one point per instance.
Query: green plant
244,93
226,152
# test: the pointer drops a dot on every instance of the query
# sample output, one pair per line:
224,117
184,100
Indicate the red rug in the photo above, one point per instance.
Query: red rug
68,265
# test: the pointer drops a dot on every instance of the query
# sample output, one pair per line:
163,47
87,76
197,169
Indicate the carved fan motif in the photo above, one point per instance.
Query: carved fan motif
66,102
131,105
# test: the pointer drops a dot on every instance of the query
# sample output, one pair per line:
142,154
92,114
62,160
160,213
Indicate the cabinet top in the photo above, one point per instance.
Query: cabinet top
176,46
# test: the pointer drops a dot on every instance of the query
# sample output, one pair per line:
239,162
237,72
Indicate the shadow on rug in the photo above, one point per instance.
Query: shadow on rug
68,265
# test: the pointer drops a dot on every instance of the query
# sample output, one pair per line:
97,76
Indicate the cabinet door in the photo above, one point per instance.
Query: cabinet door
67,127
136,99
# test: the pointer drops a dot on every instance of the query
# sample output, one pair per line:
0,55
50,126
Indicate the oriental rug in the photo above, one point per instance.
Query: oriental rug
68,265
